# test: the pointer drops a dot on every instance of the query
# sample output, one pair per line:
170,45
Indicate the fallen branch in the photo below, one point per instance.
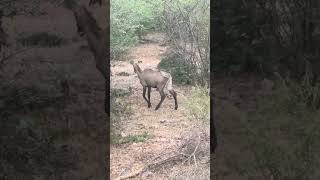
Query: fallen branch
174,155
135,173
148,166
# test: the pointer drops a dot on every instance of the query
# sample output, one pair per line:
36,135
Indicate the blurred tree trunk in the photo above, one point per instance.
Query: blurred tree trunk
3,35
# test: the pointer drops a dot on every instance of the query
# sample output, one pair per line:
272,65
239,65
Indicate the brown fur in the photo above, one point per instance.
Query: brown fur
153,79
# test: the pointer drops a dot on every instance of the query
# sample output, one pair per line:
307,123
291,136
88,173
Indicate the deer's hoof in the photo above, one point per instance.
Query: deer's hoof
156,108
149,105
176,107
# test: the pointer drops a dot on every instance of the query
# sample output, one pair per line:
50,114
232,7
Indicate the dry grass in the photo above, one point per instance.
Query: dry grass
193,150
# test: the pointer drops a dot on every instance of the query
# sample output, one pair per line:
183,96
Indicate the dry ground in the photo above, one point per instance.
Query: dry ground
166,125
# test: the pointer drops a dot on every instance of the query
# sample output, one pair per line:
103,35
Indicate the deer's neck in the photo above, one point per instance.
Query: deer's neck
139,75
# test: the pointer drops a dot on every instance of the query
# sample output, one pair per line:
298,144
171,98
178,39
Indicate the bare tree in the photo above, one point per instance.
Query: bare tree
97,39
188,28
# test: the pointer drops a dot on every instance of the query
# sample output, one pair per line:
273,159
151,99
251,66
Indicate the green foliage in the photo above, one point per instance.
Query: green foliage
118,93
129,19
181,71
42,39
119,109
132,138
198,104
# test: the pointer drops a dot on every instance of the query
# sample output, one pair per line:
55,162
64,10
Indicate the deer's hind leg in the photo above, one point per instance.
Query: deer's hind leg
174,94
163,96
149,91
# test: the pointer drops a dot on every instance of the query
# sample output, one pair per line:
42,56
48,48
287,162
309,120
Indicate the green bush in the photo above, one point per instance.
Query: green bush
130,19
42,39
181,71
131,138
198,104
119,110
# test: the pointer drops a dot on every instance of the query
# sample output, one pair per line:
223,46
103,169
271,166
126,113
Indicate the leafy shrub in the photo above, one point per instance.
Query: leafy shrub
119,107
118,52
119,110
118,93
42,39
187,25
132,138
198,104
180,70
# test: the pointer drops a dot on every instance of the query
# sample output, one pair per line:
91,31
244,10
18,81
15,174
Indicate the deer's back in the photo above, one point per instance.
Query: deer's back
152,78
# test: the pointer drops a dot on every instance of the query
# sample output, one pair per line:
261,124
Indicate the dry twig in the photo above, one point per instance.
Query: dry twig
173,155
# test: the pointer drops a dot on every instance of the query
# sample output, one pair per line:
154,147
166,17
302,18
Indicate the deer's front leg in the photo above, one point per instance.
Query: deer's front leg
144,94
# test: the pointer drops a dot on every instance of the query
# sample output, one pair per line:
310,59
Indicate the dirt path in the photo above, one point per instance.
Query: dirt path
165,125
